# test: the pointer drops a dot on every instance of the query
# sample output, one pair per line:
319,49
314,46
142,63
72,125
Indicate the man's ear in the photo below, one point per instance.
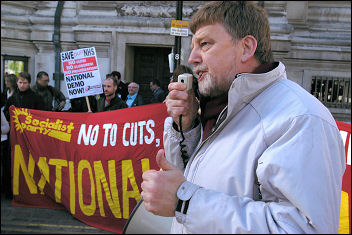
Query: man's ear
249,45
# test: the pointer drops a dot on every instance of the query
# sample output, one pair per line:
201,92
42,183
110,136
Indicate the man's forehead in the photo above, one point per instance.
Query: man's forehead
202,32
108,81
21,79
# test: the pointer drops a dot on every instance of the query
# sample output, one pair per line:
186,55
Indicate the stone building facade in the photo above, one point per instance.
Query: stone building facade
313,40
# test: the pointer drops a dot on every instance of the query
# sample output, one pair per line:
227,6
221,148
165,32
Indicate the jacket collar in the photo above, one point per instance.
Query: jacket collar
246,86
24,92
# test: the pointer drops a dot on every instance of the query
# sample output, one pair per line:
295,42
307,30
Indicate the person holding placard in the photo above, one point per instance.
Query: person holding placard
110,101
80,104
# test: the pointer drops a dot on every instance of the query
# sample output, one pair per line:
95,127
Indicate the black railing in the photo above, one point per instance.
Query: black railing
333,92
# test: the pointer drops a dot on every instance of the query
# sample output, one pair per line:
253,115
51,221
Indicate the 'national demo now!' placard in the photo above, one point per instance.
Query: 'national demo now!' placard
81,72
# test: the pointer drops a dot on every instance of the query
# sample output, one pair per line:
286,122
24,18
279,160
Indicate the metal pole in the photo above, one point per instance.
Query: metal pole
56,41
177,54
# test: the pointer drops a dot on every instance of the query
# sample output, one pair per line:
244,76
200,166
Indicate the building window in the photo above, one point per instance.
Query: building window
333,92
15,64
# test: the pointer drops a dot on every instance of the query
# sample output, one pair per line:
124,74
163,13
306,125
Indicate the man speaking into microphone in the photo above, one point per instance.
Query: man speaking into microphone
265,156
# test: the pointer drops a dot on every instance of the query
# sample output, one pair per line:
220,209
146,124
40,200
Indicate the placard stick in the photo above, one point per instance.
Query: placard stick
89,110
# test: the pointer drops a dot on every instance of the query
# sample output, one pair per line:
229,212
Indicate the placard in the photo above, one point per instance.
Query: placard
81,72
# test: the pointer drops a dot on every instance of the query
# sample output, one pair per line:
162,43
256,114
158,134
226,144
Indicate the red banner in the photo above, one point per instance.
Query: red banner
345,210
90,164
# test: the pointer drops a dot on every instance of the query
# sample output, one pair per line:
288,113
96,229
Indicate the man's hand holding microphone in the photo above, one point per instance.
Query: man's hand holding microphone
159,187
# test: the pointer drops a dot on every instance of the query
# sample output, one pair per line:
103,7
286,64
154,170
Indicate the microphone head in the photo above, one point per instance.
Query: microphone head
186,78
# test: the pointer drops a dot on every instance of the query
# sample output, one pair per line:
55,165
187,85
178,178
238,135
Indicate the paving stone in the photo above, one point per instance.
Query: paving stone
25,220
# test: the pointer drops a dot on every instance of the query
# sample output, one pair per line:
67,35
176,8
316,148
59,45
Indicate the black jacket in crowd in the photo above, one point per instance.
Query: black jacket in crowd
48,94
80,104
26,99
115,103
122,89
159,96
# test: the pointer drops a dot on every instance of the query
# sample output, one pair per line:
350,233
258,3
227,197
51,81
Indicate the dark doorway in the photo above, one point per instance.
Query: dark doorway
151,63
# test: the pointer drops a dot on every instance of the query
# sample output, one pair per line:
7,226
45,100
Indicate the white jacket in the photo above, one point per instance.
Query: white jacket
5,127
274,132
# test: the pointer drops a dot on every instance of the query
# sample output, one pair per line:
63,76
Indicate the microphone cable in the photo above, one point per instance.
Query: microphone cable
184,154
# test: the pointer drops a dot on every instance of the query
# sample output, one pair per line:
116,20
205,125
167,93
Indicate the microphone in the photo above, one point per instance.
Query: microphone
187,79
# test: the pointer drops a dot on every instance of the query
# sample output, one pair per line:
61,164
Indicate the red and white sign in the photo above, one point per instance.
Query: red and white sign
81,72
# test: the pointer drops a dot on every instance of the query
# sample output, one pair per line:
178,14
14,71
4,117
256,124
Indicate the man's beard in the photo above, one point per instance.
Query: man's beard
41,87
209,86
108,94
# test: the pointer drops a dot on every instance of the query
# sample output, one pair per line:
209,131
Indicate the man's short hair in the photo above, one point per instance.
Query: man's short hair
25,75
137,85
41,74
113,80
156,82
240,18
116,74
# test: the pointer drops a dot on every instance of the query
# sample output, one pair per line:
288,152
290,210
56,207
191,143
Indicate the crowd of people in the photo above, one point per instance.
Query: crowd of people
42,96
116,94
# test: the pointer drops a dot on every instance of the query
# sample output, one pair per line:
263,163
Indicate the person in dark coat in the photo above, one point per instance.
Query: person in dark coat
24,97
122,90
110,101
48,93
158,93
10,88
80,104
133,97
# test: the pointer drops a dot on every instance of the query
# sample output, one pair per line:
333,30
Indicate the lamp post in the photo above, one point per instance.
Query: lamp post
177,54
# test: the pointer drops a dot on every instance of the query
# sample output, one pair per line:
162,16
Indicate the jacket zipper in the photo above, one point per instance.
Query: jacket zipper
214,131
202,143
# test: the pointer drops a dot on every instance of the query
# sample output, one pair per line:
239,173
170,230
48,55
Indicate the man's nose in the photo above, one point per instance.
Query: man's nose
195,57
